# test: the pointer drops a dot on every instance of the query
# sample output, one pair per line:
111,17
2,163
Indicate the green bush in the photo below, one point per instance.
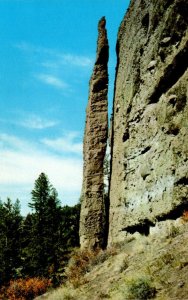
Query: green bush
141,289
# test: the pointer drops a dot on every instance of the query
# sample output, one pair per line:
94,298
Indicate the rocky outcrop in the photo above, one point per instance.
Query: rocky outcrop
149,168
92,220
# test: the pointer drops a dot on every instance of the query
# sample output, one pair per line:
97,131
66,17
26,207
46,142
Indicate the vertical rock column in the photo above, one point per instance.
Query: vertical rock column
92,219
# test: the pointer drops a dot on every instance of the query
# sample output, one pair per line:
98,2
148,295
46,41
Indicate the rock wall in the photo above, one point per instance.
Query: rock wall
149,168
93,215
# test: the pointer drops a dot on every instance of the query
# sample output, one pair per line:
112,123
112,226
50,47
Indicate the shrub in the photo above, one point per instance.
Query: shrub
82,262
27,289
140,289
68,296
101,256
124,265
185,216
78,266
3,293
174,231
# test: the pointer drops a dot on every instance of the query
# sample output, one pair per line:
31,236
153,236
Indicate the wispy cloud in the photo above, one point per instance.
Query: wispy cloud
68,143
52,81
29,121
56,58
76,60
70,60
36,122
54,67
12,142
22,162
28,47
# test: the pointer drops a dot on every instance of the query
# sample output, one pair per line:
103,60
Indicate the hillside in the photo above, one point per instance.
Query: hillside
160,259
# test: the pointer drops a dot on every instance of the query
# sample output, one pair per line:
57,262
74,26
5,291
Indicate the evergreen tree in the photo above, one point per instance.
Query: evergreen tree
10,240
40,243
28,232
44,245
70,226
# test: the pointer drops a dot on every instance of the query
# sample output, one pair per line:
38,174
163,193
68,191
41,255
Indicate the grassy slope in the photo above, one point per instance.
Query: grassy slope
162,259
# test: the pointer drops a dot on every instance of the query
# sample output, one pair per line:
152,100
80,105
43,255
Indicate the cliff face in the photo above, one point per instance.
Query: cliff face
92,220
149,168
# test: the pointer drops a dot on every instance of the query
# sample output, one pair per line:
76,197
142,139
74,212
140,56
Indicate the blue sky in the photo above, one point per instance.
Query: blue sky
47,53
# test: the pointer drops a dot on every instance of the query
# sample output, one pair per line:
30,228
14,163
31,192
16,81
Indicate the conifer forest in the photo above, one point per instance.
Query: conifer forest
34,249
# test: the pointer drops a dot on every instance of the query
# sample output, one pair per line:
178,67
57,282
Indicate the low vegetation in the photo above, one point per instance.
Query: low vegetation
26,289
83,262
141,289
185,216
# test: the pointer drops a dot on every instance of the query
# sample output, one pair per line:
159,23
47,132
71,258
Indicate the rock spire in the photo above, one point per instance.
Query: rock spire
92,220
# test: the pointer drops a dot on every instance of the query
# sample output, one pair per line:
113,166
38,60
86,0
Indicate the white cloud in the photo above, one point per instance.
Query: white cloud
68,143
22,162
30,121
52,80
12,142
30,48
54,67
76,60
36,122
53,58
18,167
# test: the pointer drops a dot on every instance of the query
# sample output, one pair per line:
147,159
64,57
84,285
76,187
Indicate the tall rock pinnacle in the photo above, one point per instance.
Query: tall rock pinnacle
92,219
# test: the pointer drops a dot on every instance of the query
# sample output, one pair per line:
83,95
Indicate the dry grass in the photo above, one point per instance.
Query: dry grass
151,265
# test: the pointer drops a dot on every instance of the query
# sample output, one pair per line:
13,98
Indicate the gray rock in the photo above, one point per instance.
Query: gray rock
166,41
92,219
149,134
149,126
152,64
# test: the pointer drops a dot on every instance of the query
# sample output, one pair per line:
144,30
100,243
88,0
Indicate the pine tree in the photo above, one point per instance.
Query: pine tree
43,247
10,240
70,226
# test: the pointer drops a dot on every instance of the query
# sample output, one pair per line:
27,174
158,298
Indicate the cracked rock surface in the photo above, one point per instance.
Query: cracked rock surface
149,175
